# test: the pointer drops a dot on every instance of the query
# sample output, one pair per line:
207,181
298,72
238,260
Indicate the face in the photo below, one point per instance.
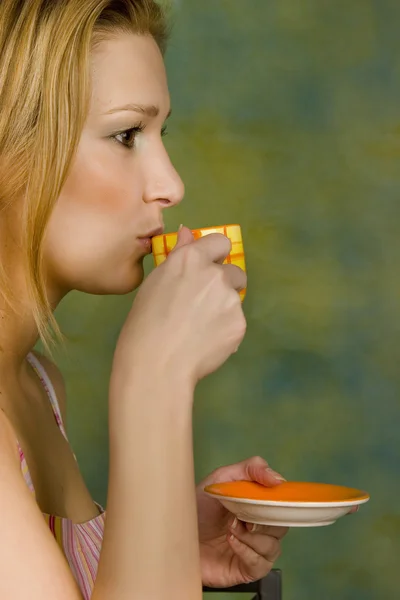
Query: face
122,178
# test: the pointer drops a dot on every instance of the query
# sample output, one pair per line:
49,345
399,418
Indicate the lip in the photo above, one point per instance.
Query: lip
145,240
152,233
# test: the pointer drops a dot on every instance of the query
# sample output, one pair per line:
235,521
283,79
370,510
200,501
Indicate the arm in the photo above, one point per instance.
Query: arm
151,542
186,320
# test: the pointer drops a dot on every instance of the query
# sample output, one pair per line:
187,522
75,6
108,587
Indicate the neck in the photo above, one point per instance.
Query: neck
18,336
18,329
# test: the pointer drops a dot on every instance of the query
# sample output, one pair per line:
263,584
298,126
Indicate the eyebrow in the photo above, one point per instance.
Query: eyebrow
149,110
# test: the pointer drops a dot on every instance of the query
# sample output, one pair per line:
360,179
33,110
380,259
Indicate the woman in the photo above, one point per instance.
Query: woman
84,180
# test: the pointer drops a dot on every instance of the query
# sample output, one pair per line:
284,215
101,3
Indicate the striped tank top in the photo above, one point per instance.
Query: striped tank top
80,542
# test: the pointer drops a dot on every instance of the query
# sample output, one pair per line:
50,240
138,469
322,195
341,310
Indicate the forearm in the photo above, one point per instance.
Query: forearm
150,549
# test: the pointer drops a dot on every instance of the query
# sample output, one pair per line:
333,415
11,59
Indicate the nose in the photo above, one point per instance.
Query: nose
163,183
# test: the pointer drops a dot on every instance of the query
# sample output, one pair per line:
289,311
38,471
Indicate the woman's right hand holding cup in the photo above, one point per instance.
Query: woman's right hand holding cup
187,315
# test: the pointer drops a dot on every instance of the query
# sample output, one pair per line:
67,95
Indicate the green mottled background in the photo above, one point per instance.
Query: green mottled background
286,120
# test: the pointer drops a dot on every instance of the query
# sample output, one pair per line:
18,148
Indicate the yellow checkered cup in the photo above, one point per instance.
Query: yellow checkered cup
163,244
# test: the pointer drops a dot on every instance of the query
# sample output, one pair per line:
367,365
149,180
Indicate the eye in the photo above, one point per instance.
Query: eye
128,136
164,131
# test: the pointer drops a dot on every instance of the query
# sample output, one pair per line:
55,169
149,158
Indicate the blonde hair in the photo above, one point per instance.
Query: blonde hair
45,88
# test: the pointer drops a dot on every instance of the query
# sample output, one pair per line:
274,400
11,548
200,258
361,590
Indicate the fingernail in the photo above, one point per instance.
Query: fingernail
235,522
275,475
180,227
251,527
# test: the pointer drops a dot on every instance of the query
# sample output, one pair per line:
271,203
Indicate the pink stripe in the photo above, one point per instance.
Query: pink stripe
51,525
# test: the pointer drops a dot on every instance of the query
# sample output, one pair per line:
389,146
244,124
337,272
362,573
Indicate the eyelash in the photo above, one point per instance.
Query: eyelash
134,130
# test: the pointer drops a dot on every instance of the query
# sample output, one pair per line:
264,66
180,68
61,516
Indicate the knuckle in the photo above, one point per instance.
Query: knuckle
217,474
225,273
221,242
242,324
276,550
192,251
252,463
234,275
218,276
189,257
236,304
254,561
225,242
241,275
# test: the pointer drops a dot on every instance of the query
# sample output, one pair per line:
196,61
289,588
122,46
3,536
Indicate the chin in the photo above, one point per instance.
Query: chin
117,285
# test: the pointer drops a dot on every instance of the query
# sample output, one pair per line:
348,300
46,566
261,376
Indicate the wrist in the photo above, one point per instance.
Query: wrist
152,379
151,362
155,408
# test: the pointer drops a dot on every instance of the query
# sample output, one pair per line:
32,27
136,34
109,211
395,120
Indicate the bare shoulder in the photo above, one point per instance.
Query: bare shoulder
57,380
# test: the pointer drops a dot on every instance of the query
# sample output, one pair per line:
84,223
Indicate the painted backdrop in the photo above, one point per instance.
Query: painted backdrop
286,120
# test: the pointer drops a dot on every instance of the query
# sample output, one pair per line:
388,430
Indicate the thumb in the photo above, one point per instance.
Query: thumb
253,469
266,476
185,236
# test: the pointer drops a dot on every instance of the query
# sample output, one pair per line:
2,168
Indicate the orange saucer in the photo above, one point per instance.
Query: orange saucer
289,491
290,504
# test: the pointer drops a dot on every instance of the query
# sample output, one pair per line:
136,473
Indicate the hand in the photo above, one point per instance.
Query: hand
233,552
187,316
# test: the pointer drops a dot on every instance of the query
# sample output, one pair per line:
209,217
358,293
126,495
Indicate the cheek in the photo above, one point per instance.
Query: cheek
95,215
100,184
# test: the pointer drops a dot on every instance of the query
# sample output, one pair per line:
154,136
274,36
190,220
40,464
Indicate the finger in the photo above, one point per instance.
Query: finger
265,546
236,277
253,566
262,473
214,247
185,237
251,469
353,510
271,530
257,469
